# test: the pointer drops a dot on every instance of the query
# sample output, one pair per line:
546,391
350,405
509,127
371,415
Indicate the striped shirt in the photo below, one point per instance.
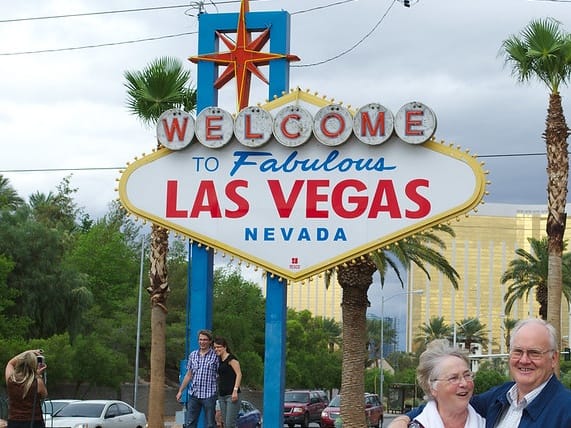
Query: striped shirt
512,416
204,369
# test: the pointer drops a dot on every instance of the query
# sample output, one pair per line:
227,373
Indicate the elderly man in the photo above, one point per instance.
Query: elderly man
536,398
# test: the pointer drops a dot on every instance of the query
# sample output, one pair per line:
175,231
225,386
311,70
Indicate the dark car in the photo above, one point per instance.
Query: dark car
302,407
248,416
373,412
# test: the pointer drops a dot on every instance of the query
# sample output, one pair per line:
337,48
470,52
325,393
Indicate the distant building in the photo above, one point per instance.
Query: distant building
484,245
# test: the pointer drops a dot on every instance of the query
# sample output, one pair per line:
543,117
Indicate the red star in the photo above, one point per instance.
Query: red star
243,58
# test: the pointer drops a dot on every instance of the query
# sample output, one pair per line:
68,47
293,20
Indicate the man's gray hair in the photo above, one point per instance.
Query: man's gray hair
548,327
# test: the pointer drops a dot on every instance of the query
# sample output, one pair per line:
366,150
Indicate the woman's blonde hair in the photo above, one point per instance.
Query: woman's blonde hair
25,370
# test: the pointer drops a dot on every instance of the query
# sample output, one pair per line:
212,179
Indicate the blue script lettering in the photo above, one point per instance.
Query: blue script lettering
291,164
291,234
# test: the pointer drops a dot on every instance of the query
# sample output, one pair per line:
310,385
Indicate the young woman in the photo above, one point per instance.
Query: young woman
26,390
229,378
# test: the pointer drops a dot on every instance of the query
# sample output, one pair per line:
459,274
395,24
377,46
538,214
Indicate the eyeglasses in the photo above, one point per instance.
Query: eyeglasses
456,379
532,354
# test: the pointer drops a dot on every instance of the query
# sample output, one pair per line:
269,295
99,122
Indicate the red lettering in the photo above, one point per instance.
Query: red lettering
368,129
283,205
284,129
206,200
348,199
242,206
385,200
409,122
411,191
341,126
211,127
360,202
175,127
313,197
172,197
248,128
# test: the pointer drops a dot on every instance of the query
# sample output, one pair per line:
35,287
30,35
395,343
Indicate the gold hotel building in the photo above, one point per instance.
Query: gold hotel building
484,245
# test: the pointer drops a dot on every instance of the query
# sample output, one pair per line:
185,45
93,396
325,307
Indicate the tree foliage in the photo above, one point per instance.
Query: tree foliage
71,285
528,273
542,51
317,366
488,377
436,328
469,331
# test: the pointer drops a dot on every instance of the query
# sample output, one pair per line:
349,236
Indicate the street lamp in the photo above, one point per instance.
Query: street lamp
383,299
462,325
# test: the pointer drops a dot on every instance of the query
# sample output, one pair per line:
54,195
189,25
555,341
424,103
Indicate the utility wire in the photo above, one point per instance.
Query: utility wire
75,15
126,42
107,168
199,4
322,7
346,51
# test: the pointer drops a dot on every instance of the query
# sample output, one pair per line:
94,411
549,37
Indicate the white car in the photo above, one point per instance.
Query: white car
49,407
98,413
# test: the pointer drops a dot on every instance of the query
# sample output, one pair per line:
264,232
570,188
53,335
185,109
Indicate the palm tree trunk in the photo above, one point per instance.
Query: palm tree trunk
159,290
556,134
355,280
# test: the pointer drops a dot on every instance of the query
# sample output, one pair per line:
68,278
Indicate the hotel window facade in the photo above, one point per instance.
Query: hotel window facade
484,245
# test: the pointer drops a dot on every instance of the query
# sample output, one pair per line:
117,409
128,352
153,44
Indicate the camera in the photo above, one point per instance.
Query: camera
40,360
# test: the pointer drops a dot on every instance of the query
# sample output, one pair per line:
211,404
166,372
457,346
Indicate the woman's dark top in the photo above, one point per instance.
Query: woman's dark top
226,376
20,409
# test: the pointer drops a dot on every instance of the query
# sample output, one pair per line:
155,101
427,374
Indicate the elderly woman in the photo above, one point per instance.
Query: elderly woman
444,376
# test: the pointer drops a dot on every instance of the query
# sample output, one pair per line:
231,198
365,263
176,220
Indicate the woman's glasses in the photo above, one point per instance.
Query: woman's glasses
456,379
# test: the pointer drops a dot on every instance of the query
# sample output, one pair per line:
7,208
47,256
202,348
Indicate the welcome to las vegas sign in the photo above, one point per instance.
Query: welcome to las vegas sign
298,186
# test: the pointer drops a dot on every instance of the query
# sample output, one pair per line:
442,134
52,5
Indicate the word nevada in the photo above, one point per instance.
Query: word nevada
293,125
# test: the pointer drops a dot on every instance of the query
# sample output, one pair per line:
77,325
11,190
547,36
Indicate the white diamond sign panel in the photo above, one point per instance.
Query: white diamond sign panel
300,209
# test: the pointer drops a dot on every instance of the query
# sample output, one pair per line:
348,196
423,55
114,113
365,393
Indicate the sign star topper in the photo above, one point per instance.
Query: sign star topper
245,56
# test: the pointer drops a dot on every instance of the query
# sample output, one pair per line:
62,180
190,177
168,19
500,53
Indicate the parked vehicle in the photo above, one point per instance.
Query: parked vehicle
373,411
248,416
98,413
302,407
49,407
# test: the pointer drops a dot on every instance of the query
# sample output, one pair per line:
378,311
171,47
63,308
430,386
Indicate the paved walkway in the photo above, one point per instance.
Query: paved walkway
170,421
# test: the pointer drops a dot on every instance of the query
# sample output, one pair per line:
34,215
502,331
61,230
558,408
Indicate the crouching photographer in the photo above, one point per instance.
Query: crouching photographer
26,389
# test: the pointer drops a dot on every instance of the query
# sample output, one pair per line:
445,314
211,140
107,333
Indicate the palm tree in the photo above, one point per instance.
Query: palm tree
543,52
509,325
161,86
436,328
529,273
9,198
332,330
355,278
470,330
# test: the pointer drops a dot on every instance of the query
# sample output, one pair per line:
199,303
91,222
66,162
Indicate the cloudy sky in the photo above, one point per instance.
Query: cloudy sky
63,104
62,108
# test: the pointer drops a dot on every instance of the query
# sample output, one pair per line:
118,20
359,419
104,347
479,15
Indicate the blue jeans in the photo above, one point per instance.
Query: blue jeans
193,407
229,410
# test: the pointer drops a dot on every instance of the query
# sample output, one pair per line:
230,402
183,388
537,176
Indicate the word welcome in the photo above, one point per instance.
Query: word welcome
293,126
